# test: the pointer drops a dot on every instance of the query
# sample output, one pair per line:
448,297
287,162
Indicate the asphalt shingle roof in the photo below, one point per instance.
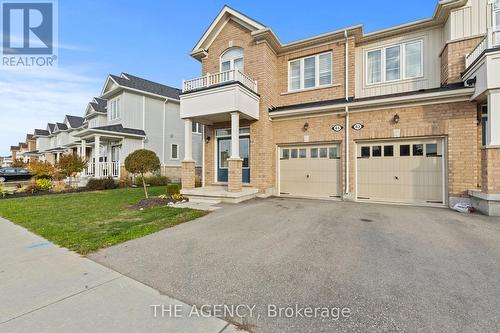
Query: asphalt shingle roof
41,132
99,105
14,148
74,121
120,129
62,126
51,127
134,82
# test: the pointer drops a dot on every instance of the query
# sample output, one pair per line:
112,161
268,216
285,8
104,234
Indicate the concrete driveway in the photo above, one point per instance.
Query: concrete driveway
396,268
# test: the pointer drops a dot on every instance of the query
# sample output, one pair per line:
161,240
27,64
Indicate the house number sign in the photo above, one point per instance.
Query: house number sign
337,128
357,126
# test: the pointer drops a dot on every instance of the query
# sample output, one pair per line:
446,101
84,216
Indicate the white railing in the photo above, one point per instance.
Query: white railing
219,78
491,40
103,170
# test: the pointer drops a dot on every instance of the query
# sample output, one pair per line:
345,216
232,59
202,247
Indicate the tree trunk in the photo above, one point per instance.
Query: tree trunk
144,184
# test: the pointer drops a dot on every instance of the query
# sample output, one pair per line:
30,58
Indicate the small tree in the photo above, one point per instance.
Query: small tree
141,162
18,163
41,169
70,164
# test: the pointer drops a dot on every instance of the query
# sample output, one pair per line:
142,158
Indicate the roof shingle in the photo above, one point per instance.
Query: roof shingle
134,82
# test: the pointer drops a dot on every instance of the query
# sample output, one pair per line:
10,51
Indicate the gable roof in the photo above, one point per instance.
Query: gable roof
50,127
23,145
29,137
134,82
74,121
60,127
120,129
14,148
41,132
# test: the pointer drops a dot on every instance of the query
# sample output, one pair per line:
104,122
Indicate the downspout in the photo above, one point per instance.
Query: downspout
164,132
203,133
347,155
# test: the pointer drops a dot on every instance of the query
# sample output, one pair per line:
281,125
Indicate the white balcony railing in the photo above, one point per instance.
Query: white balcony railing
491,40
219,78
103,170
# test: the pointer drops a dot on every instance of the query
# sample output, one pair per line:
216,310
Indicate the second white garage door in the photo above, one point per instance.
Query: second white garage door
311,171
410,171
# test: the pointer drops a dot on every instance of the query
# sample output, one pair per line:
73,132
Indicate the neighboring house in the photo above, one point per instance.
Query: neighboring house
6,161
13,152
131,113
407,114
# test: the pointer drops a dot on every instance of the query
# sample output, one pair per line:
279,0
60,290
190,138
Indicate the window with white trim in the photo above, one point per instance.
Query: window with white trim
174,151
196,127
310,72
114,111
496,13
232,59
396,62
93,123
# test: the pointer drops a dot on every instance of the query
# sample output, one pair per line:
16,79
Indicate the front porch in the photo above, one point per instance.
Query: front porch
218,194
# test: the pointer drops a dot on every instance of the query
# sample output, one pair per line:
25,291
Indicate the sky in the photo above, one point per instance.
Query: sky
152,39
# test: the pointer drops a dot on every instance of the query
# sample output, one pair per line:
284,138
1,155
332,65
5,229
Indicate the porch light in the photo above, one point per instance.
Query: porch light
207,140
305,127
396,118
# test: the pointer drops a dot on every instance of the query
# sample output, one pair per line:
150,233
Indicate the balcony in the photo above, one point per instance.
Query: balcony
490,41
211,98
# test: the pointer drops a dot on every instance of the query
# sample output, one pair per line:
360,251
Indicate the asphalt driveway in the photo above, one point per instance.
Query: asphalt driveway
396,268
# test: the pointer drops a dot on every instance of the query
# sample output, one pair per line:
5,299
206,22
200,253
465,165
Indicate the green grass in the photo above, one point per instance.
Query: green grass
86,222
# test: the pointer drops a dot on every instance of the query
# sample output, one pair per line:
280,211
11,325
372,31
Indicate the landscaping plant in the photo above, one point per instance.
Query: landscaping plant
41,169
173,188
70,164
101,184
43,184
140,162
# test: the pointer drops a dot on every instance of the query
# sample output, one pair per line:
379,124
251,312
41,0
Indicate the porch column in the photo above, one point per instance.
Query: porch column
188,174
97,146
490,155
235,163
493,130
83,149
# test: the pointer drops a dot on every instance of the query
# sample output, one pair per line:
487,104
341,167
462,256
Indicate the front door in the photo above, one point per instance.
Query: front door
223,154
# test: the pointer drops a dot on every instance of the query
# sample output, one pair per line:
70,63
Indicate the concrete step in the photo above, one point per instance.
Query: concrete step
204,199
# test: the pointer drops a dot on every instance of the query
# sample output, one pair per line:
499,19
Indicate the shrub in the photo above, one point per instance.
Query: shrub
18,163
101,184
153,180
71,164
173,188
41,170
43,184
140,162
4,192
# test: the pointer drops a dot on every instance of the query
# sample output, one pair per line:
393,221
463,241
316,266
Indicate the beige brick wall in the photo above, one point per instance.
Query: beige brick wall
490,158
453,59
234,179
188,175
456,121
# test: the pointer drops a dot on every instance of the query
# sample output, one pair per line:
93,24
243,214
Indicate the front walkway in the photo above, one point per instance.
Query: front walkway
45,288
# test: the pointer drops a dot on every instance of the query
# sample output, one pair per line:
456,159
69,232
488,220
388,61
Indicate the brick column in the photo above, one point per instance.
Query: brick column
188,175
490,164
234,180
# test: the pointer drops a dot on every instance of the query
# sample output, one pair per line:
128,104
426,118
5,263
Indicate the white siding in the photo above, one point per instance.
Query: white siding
129,146
433,43
154,125
470,20
131,111
42,143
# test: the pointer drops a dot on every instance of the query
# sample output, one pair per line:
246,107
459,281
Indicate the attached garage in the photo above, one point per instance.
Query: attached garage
311,171
402,171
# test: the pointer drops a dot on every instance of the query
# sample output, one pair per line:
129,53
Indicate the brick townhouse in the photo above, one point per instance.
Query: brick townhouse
408,114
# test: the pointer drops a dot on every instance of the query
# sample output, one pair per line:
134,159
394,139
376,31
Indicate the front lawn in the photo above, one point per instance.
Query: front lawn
86,222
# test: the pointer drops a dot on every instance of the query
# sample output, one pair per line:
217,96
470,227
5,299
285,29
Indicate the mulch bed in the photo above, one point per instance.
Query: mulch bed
40,193
151,203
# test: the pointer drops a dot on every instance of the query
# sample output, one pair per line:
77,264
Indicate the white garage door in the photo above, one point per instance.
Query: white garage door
311,171
401,171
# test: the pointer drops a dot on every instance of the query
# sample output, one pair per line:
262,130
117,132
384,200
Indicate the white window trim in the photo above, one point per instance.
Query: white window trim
402,62
231,60
171,150
118,101
198,127
316,83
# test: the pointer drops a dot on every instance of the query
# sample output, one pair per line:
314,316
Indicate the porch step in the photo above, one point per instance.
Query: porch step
218,194
204,200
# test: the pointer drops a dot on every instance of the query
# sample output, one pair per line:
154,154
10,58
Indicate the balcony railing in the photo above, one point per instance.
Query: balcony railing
209,80
103,170
491,40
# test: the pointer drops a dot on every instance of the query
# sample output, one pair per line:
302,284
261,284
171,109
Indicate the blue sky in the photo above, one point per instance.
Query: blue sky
152,39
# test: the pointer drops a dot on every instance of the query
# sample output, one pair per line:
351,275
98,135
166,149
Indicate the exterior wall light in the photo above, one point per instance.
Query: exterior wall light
396,118
305,127
207,140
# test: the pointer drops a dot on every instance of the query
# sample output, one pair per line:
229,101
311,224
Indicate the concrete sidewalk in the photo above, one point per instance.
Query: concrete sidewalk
44,288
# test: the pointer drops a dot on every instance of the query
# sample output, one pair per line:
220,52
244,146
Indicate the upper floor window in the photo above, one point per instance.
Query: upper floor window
396,62
310,72
114,111
232,59
93,123
196,127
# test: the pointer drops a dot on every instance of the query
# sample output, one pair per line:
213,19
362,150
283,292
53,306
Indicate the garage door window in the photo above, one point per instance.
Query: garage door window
293,153
302,153
388,151
365,152
431,150
314,152
404,150
323,152
376,151
418,150
333,153
285,154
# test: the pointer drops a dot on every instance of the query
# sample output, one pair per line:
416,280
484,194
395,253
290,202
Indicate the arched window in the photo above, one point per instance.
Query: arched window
232,59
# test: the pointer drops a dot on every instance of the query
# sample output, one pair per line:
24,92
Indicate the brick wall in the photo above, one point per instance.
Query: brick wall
490,159
453,59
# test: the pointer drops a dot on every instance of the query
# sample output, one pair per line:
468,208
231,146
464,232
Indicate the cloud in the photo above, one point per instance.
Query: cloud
32,97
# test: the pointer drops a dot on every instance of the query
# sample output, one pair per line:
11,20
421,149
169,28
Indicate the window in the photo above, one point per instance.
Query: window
323,152
302,153
418,150
310,72
388,151
404,150
114,111
396,62
484,124
285,154
496,13
174,151
376,151
314,152
431,149
333,153
232,59
365,151
294,153
196,127
93,123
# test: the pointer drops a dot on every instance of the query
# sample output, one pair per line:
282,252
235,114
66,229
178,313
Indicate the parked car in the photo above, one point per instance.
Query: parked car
10,174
